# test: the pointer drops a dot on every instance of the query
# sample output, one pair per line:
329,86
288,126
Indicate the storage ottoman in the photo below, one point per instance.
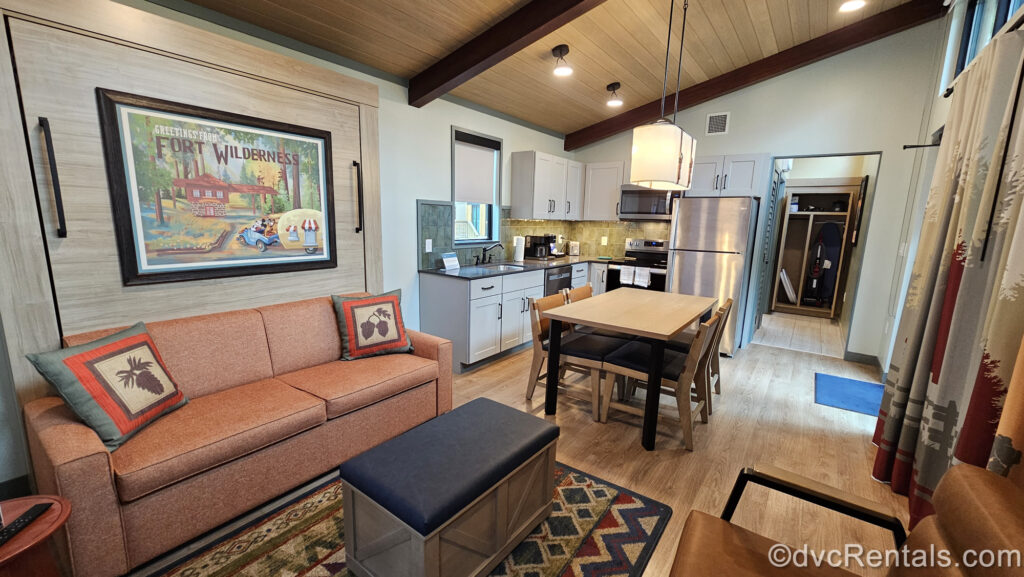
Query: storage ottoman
451,497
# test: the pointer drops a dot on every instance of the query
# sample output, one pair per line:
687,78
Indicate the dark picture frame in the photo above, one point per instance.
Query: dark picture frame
300,239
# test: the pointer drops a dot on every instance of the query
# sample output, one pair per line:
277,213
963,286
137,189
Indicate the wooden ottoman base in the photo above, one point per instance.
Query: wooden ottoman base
470,544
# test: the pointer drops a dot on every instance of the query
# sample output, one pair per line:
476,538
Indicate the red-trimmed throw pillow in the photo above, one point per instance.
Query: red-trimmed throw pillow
371,325
117,385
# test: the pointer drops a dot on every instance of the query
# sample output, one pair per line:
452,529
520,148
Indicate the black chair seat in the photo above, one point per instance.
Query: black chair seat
591,347
636,355
678,346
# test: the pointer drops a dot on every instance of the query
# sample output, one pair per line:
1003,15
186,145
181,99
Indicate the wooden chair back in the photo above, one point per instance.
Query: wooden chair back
579,293
724,310
539,325
698,357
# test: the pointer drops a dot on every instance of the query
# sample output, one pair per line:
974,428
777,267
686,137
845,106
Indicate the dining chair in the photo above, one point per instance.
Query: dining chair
679,377
711,373
581,352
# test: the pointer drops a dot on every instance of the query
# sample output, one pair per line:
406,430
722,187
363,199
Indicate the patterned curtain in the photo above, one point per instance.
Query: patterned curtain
962,322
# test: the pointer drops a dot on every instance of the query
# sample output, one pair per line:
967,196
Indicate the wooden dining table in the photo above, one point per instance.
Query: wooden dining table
651,315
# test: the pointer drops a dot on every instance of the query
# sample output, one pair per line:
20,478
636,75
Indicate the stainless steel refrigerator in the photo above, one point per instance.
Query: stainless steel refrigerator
710,253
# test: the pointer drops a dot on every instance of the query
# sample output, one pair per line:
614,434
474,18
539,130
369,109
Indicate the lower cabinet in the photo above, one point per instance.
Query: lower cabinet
481,317
485,332
598,276
579,275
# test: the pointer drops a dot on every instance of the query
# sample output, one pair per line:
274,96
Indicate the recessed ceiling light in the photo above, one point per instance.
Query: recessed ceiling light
614,100
562,67
851,5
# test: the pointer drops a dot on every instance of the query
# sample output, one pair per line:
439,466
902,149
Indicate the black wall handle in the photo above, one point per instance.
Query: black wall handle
62,225
359,191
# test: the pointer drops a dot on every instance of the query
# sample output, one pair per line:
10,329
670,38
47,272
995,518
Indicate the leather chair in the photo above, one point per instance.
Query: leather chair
976,510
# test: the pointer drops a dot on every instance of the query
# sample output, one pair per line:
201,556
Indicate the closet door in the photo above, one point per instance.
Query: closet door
59,72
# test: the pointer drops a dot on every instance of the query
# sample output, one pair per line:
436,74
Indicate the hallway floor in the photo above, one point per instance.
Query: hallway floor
801,333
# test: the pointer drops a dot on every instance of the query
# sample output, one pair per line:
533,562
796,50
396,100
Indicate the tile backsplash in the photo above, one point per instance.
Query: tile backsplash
435,223
588,233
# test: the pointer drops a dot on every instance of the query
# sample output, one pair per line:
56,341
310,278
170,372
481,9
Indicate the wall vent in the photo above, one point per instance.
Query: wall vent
718,123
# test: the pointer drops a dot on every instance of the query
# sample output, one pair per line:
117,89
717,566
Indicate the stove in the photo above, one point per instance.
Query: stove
650,254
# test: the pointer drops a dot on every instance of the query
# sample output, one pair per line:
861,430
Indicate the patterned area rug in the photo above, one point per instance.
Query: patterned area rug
596,528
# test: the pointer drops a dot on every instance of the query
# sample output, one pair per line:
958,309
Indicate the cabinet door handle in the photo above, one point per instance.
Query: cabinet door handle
359,191
716,182
523,310
486,288
62,225
499,310
725,182
604,272
568,205
616,208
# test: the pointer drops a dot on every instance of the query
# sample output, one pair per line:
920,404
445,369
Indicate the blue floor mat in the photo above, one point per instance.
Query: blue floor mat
850,394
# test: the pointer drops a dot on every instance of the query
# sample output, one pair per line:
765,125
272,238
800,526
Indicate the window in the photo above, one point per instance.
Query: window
982,19
476,182
220,194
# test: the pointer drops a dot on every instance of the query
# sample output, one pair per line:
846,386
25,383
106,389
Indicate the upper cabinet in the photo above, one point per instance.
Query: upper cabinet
573,190
731,175
539,186
603,183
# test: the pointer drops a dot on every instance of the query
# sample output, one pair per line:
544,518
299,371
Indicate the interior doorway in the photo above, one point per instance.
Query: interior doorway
818,213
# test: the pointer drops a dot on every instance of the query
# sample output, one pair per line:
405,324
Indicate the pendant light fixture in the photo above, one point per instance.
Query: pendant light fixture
614,100
662,155
562,67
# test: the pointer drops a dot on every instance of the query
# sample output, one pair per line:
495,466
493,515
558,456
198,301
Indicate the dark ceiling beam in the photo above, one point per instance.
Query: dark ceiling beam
524,27
873,28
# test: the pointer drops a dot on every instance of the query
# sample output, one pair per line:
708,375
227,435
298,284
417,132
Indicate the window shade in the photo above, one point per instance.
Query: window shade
474,173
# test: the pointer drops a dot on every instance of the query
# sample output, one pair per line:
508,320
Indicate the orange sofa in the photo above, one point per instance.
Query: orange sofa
270,408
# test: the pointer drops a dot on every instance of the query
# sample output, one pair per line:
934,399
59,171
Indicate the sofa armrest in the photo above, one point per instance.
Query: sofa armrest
440,350
817,493
70,460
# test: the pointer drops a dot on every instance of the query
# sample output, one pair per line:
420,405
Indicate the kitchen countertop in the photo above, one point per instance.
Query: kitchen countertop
486,271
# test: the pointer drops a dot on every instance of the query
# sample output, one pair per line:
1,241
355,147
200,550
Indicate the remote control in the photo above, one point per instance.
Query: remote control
20,523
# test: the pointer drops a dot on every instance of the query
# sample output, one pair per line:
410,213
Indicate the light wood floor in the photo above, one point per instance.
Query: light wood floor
765,414
801,333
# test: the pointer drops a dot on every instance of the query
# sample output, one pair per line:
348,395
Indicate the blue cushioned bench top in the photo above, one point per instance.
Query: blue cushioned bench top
428,474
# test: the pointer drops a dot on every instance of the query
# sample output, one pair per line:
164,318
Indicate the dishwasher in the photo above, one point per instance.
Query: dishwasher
556,279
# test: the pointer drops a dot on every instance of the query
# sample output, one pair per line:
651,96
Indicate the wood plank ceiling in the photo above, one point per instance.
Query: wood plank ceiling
619,41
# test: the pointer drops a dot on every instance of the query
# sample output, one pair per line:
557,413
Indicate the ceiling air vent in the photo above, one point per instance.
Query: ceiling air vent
718,123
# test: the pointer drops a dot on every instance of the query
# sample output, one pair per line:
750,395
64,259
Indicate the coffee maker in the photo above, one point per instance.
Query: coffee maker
540,246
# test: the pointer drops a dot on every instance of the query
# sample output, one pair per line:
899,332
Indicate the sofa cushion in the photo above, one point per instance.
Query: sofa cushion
302,334
210,353
350,385
212,430
117,385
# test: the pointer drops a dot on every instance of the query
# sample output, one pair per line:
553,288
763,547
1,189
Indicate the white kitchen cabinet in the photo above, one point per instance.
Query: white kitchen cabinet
580,275
730,175
528,295
539,185
573,190
598,276
602,184
482,317
484,327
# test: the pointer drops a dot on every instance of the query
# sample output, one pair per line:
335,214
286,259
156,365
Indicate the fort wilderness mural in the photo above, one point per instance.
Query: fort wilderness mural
199,193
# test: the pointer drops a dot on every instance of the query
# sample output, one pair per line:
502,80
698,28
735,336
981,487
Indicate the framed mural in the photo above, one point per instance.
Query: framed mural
200,193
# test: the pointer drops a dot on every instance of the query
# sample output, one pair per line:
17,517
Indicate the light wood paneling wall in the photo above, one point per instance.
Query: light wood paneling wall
120,47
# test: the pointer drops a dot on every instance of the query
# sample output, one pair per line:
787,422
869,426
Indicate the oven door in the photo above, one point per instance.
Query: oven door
638,203
613,280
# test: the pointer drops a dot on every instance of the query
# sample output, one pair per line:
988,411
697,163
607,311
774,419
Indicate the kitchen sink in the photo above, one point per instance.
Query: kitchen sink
502,267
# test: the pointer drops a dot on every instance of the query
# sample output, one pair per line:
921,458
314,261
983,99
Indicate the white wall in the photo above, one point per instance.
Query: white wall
874,98
415,157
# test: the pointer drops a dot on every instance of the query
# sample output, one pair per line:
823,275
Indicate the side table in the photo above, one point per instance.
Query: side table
26,554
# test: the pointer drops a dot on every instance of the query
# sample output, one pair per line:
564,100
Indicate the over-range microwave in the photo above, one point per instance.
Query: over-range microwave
640,203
